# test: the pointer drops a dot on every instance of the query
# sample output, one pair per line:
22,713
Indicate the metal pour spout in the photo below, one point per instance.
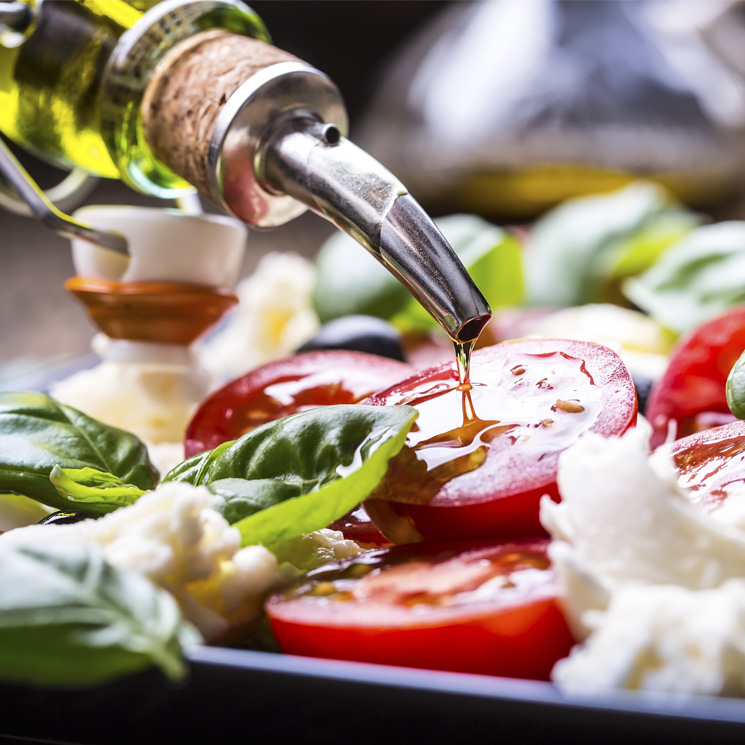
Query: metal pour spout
312,162
278,148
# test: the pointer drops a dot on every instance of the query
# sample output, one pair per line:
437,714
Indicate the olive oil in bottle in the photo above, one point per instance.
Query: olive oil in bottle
70,91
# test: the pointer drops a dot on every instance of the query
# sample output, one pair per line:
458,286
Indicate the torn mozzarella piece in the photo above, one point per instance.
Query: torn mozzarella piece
663,638
153,401
652,583
623,519
274,317
174,537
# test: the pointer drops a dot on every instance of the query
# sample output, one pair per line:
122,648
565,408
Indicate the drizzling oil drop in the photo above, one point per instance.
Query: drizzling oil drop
463,359
464,342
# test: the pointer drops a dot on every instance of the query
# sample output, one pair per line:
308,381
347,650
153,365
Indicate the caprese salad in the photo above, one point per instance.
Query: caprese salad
379,509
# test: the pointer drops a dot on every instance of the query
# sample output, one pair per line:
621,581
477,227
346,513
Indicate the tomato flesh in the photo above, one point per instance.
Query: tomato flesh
357,526
480,457
691,395
711,464
479,607
286,387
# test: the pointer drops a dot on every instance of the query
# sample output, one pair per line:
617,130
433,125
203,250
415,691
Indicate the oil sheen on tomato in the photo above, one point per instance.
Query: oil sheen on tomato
288,386
481,454
475,606
711,464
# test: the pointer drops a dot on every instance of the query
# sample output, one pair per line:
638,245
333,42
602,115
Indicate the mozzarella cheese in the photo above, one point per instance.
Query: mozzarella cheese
663,638
153,401
641,569
274,317
174,537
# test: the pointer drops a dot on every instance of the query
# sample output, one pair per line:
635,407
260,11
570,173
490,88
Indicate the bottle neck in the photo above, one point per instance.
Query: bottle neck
133,63
71,86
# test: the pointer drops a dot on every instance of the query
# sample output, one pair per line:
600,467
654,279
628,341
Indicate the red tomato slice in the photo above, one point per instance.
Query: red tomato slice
357,526
691,395
712,464
286,387
479,458
477,607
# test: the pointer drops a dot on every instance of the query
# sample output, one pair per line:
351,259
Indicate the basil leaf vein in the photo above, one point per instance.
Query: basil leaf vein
69,618
300,473
37,433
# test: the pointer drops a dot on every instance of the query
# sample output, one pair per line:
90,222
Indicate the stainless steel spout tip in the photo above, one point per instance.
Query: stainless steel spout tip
417,253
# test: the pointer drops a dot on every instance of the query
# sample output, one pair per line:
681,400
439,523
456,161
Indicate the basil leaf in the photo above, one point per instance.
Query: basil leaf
576,247
735,389
696,280
97,491
38,433
300,473
239,498
639,251
349,281
68,618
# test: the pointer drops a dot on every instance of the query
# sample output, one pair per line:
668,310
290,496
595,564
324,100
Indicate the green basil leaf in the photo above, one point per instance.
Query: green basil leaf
239,498
639,251
695,280
68,618
576,247
97,491
736,388
300,473
350,281
38,433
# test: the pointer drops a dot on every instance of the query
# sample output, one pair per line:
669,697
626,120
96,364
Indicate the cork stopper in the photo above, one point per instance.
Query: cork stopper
188,91
165,312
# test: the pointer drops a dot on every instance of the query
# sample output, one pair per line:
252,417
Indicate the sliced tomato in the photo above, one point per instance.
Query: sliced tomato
477,607
286,387
357,526
691,395
712,464
480,457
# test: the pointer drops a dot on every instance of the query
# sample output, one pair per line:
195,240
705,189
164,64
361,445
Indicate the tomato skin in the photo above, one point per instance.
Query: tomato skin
511,515
520,635
499,497
357,526
307,380
692,393
711,464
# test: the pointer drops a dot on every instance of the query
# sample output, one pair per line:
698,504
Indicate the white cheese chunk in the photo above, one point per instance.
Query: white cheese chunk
663,638
153,401
274,317
651,583
174,537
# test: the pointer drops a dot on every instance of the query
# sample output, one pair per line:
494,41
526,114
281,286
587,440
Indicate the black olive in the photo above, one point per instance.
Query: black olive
65,518
643,387
358,334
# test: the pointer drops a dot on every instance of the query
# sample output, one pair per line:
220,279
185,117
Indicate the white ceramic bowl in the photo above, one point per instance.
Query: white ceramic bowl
165,245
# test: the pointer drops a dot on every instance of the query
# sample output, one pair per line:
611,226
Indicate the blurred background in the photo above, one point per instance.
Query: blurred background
501,108
350,41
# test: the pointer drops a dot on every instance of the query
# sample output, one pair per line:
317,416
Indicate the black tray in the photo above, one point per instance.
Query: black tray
259,697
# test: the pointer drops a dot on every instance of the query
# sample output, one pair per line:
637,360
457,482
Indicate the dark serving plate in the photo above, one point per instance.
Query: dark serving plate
260,697
248,697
